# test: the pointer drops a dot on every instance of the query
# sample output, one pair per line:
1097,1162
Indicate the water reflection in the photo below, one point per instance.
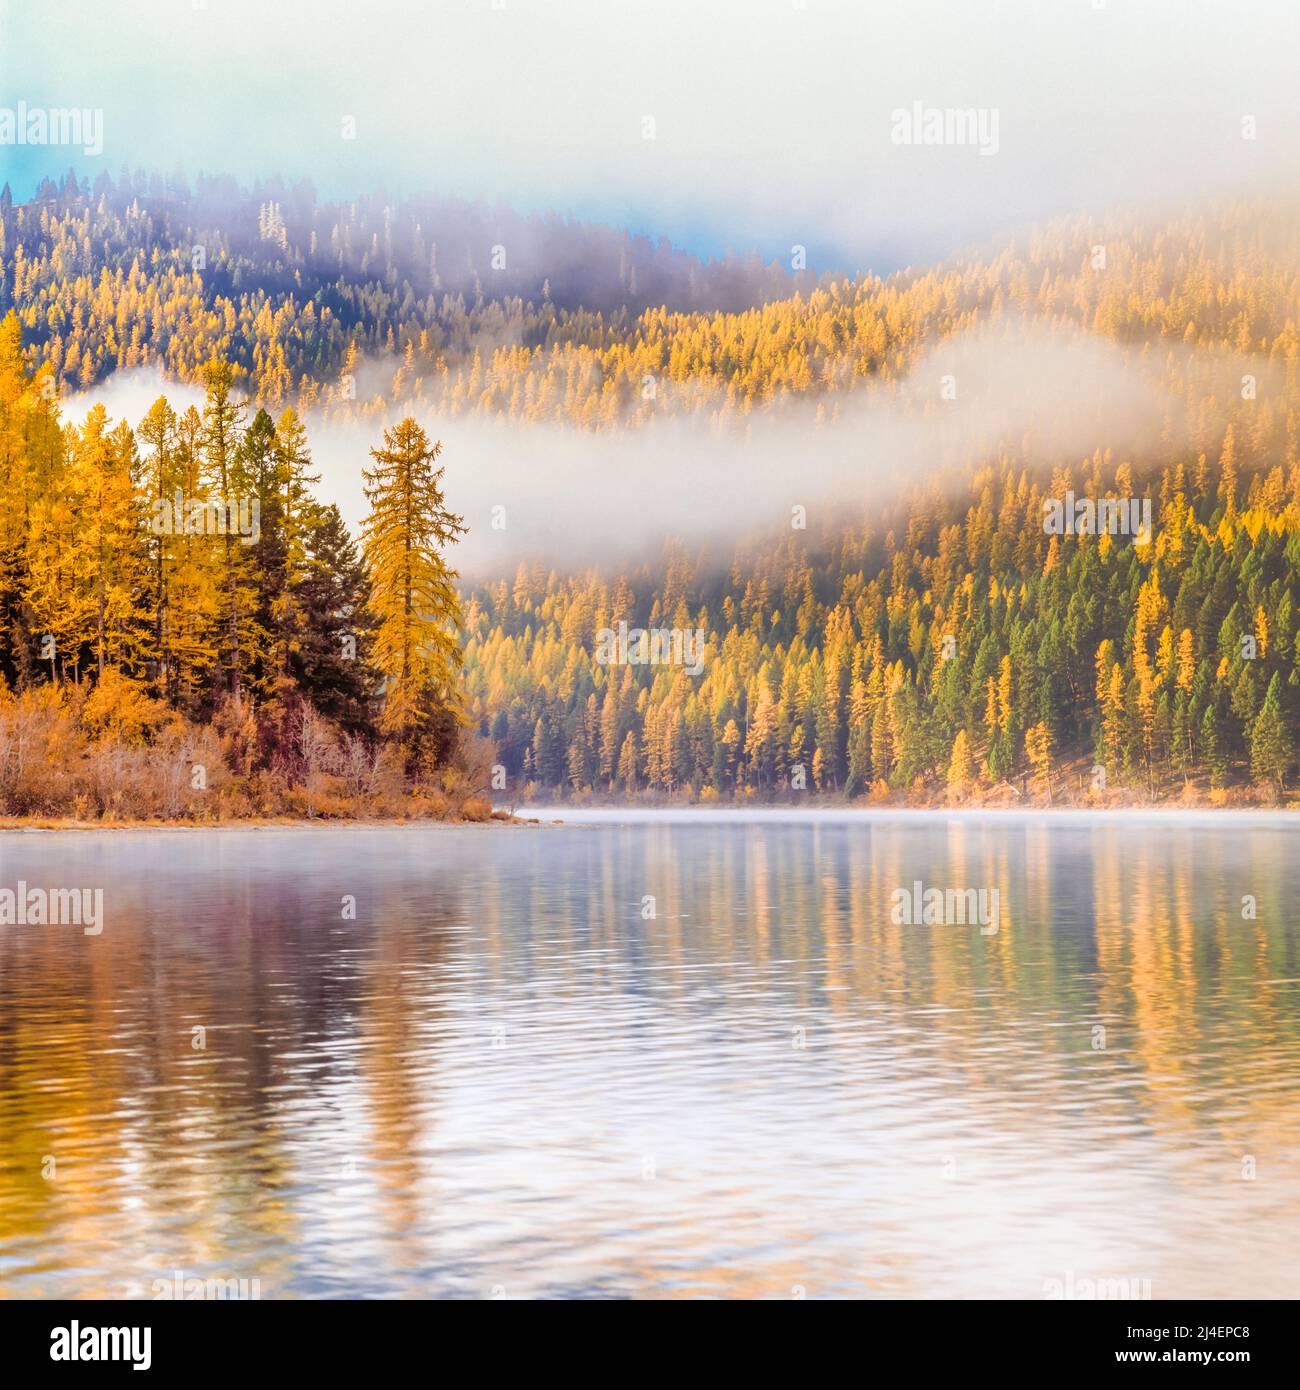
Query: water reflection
504,1074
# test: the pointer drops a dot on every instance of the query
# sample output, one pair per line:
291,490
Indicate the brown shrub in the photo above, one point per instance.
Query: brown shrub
113,753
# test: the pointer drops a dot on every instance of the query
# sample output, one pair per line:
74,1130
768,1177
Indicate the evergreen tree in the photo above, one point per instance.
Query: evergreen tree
331,658
417,644
1271,750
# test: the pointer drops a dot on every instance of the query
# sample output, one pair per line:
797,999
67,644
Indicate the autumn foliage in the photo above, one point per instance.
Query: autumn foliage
186,632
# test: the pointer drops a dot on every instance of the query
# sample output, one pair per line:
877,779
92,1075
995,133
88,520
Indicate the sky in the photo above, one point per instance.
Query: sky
722,124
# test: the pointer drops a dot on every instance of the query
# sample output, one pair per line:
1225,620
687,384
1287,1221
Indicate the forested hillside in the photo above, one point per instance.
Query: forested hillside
938,643
293,292
358,307
948,649
947,645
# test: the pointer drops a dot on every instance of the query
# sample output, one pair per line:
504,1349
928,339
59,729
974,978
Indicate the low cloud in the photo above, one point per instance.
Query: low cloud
570,498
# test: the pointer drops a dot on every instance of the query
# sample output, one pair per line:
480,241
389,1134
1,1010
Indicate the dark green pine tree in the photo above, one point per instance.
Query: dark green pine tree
1270,743
1212,749
332,663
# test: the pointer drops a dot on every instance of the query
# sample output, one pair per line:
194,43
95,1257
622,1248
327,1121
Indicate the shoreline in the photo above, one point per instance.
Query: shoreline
548,817
53,825
594,815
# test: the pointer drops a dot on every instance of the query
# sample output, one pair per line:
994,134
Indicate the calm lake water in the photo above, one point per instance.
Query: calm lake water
504,1077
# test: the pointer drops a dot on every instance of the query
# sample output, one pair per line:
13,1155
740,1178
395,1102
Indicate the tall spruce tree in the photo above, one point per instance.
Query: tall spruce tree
1271,752
331,659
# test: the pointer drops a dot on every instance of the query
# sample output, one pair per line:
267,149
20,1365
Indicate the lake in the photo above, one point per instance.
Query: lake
658,1055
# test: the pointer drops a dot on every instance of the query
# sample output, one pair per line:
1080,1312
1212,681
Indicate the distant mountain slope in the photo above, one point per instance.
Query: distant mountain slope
363,305
144,269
